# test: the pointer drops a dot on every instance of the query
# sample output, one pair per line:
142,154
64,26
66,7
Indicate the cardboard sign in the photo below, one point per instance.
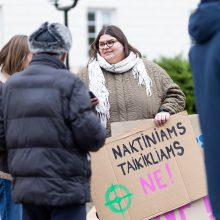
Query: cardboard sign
147,172
199,209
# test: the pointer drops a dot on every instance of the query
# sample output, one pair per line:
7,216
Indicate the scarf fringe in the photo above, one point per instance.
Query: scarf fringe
143,79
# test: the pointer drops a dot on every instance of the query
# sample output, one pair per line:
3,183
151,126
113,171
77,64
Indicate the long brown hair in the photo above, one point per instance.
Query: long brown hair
116,32
13,54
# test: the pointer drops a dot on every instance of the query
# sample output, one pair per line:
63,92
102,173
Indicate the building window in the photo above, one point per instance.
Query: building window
96,19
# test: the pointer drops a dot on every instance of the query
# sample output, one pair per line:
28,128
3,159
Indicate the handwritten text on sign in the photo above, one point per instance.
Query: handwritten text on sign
143,149
153,181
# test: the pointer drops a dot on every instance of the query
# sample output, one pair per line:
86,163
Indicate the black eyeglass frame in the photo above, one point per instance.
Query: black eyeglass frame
108,43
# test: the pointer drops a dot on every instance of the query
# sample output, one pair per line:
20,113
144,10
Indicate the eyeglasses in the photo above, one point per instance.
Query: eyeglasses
109,44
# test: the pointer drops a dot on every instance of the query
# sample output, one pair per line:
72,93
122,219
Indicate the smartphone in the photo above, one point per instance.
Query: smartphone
92,95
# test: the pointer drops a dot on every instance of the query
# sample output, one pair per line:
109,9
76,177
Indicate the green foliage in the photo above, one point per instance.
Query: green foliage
179,70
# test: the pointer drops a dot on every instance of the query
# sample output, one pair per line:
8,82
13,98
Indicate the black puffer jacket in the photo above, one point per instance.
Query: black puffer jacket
49,128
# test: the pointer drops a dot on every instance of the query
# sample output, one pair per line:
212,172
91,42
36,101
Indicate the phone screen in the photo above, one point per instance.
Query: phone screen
92,94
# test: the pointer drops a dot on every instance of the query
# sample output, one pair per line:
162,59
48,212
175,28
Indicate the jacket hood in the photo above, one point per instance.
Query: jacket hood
205,21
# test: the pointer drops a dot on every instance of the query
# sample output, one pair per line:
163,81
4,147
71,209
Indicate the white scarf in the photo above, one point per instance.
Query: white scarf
97,80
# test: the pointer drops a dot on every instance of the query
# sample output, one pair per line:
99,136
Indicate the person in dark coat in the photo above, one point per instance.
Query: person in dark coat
48,126
204,28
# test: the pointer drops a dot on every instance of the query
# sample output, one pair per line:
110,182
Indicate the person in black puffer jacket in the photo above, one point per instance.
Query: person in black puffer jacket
48,125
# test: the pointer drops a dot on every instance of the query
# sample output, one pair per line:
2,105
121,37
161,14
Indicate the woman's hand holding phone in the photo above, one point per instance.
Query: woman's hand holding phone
94,99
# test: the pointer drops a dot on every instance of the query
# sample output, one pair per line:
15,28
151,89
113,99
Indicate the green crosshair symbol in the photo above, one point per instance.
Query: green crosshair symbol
118,204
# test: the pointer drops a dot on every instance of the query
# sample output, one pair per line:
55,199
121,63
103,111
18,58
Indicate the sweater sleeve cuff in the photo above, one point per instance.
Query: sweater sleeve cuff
163,110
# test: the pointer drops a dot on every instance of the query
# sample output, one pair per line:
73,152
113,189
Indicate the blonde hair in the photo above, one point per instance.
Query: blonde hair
14,54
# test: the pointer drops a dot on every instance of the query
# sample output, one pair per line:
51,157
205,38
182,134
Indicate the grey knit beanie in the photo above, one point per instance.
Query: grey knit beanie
50,38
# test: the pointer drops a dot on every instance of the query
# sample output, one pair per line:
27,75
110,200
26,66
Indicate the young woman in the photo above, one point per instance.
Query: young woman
126,85
14,57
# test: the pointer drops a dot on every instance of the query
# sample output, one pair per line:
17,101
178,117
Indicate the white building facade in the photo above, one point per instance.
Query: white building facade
155,27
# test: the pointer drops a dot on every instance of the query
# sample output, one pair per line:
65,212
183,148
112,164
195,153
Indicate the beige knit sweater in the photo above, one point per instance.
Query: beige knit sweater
128,101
